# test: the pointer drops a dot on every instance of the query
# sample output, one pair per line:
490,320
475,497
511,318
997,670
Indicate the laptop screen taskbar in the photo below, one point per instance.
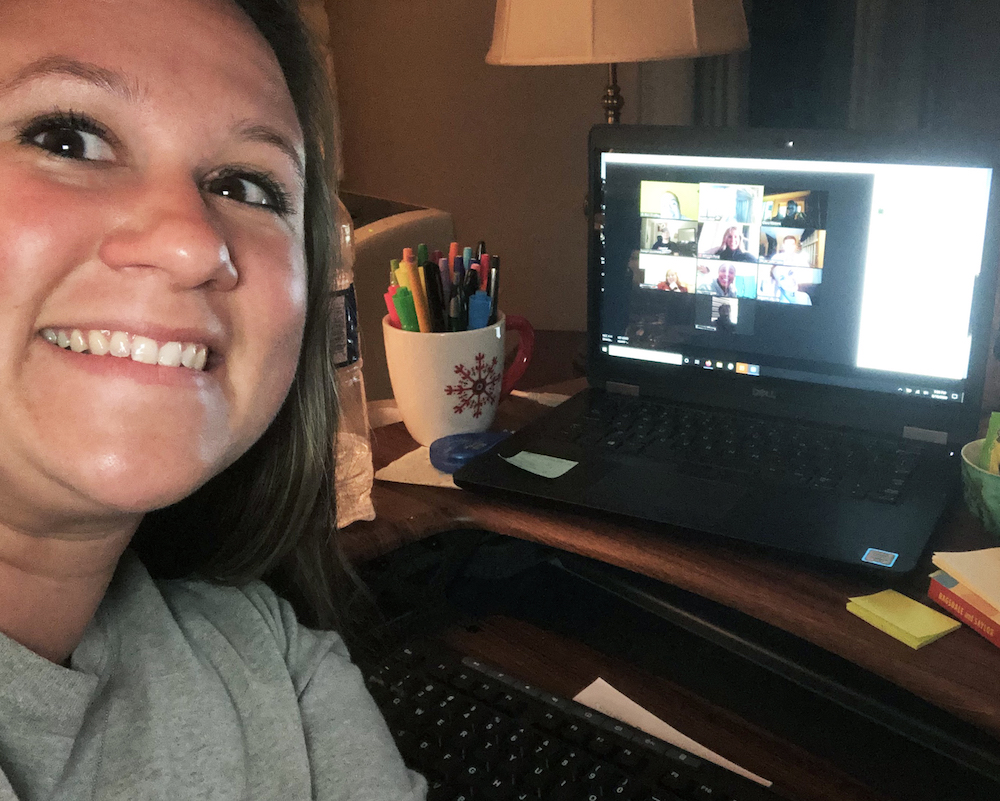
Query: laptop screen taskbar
917,387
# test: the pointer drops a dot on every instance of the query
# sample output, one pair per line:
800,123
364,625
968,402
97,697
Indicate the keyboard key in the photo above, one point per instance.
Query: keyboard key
549,719
541,777
508,702
705,793
677,779
575,733
546,750
570,763
601,745
486,691
630,759
462,680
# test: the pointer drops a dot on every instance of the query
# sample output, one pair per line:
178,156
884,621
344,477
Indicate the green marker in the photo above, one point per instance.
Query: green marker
393,266
403,301
421,254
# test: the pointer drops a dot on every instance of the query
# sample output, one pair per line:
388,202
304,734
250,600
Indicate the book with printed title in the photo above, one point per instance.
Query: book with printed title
978,570
970,608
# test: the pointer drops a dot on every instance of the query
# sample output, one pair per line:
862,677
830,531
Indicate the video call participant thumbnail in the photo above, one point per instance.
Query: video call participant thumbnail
790,252
724,283
779,284
721,316
668,200
724,319
741,203
731,248
727,279
672,237
672,283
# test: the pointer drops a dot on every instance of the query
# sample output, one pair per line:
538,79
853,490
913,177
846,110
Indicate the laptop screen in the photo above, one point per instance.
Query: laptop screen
848,273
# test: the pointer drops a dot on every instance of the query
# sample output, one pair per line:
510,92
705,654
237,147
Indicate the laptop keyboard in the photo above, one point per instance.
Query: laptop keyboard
477,733
783,452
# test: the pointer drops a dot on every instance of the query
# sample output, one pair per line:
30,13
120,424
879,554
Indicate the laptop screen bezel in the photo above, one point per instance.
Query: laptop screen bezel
868,410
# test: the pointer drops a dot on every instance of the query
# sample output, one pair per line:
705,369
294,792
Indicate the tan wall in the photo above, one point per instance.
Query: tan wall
504,149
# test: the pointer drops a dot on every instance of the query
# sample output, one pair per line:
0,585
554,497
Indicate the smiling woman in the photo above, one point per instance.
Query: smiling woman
165,240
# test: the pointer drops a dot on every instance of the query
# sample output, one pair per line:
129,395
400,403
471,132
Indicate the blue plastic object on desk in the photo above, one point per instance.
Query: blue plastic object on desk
450,453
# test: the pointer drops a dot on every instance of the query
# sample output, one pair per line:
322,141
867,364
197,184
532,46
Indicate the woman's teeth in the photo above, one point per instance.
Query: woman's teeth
128,346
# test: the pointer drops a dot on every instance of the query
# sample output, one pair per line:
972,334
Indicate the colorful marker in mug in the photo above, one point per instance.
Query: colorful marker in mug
446,293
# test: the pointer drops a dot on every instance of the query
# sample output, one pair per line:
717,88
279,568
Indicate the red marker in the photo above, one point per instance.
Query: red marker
393,314
452,256
484,272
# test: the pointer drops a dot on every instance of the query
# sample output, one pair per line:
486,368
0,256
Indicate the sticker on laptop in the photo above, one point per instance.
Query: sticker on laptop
540,464
874,556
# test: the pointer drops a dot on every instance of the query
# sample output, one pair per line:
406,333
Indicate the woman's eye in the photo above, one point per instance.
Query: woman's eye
251,190
70,140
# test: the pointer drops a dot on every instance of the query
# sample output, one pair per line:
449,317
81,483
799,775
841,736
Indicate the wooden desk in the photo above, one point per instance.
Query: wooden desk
958,674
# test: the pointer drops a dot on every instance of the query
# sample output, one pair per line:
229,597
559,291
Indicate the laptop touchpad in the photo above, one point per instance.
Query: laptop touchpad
667,496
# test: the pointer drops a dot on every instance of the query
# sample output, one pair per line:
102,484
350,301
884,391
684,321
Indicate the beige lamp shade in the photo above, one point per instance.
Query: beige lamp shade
527,32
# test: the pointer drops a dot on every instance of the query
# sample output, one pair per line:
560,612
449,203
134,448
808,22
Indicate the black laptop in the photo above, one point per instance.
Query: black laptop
787,340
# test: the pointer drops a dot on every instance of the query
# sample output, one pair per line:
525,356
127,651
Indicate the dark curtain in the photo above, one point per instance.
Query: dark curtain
860,64
721,86
890,80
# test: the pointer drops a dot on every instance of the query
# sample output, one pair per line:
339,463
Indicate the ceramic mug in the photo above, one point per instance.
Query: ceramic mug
452,383
981,488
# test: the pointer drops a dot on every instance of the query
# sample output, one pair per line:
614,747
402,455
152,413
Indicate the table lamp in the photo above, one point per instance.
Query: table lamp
542,32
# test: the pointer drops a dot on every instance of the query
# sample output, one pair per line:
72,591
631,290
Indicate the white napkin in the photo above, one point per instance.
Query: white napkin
416,468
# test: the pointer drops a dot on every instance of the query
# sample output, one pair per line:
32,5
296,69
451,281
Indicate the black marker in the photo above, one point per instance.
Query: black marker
472,280
493,287
462,298
435,296
454,311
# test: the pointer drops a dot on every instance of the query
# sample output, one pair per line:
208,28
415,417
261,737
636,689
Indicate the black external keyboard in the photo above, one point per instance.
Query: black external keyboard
860,466
477,733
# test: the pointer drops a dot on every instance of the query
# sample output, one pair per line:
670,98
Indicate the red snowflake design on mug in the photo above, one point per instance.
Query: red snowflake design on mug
478,386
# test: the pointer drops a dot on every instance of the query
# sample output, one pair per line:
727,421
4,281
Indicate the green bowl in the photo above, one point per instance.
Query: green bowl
981,488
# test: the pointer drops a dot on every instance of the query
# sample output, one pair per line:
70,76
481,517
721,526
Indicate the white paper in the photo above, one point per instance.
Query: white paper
416,468
544,398
602,697
383,413
540,464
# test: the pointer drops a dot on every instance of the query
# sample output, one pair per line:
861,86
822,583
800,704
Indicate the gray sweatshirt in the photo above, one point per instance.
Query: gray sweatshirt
184,690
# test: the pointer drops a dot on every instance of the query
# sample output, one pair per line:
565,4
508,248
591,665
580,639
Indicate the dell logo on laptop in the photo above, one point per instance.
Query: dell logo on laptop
764,393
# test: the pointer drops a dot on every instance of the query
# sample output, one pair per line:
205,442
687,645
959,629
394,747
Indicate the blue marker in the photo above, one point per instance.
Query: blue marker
467,257
479,310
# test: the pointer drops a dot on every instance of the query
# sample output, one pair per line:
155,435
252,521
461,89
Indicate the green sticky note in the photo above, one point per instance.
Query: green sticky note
907,620
540,464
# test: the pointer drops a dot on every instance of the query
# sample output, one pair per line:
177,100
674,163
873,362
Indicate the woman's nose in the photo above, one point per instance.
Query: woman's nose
171,229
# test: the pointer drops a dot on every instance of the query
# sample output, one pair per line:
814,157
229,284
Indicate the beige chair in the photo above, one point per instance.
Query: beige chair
375,244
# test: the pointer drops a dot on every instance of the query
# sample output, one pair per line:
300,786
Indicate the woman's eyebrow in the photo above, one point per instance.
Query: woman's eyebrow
257,132
110,80
119,84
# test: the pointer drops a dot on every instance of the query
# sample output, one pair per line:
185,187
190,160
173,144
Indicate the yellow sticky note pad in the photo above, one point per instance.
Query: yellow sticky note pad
907,620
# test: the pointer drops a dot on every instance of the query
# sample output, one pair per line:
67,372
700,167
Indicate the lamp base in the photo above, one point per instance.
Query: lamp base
612,100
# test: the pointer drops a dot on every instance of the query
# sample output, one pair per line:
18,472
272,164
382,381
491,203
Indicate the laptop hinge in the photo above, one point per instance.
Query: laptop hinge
925,435
621,389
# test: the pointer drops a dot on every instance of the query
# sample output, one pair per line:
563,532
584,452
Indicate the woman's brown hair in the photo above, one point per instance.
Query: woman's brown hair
271,514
